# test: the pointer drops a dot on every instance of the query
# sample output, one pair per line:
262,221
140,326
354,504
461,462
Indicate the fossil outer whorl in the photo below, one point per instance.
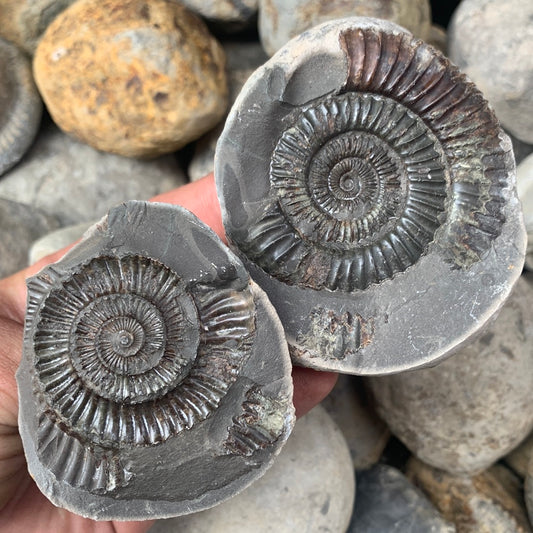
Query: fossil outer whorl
143,370
360,163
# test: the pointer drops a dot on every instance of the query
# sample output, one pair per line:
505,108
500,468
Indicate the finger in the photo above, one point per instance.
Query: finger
310,388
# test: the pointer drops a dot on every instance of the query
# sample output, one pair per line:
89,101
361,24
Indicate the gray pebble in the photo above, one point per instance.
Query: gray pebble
524,185
77,183
472,409
21,224
387,501
309,489
519,458
228,15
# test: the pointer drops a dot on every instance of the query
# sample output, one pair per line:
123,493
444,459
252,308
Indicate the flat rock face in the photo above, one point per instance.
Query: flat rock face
281,20
505,76
135,78
490,502
366,434
470,410
387,501
24,21
21,224
20,106
146,389
309,488
77,183
371,234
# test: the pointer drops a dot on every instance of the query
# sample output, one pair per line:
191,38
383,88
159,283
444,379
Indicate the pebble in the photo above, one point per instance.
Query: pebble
281,20
473,408
24,21
387,501
521,149
242,60
528,490
366,434
438,38
505,75
21,224
524,185
230,15
519,458
20,106
490,502
56,240
133,77
77,183
310,488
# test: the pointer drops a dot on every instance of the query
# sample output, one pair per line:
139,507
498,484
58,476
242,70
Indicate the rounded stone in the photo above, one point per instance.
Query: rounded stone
24,21
520,457
365,433
76,183
311,485
528,490
359,273
21,224
228,15
505,75
472,409
135,78
242,59
524,186
387,501
281,20
145,388
490,502
20,106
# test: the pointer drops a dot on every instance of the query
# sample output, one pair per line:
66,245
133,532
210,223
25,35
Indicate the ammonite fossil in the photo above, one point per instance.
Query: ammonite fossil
155,379
20,106
371,191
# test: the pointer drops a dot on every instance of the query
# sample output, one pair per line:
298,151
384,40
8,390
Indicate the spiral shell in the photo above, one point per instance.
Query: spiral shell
129,352
353,159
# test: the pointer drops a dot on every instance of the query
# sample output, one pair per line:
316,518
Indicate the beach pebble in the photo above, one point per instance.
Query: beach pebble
135,78
490,502
528,490
76,183
438,38
524,185
21,224
56,240
20,105
505,74
519,458
473,408
387,501
24,21
281,20
309,488
242,59
231,15
366,434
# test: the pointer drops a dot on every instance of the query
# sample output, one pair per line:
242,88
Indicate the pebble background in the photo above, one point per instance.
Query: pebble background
134,105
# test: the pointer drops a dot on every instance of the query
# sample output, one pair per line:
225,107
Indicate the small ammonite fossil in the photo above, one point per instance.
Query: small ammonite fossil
143,388
20,105
371,191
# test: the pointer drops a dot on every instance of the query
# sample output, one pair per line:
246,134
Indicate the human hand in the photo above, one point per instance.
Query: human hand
23,508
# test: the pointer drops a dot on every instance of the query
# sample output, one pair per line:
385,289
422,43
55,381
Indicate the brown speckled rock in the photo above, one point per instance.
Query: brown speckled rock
470,410
491,41
490,502
23,21
135,78
281,20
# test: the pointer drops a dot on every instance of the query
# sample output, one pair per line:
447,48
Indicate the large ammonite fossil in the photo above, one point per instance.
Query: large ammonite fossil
371,191
155,379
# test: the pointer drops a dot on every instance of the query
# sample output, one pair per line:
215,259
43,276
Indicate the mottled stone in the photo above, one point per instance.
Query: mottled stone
386,501
77,183
242,59
524,185
227,15
145,388
21,224
281,20
528,490
310,487
366,434
490,502
20,106
372,193
520,457
472,409
24,21
56,240
135,78
498,59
